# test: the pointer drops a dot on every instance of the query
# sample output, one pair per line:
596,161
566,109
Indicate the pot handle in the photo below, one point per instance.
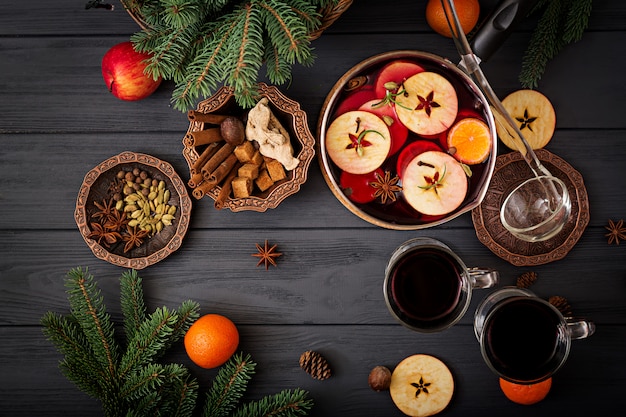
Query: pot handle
497,27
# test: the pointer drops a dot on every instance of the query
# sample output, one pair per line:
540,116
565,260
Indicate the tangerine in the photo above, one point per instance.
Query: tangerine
211,340
468,12
471,139
526,394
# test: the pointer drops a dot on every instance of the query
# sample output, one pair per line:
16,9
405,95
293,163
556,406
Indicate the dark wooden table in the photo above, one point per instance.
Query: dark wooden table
57,121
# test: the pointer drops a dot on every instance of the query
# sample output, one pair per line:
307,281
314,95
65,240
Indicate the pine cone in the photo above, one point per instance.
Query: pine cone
526,279
315,365
561,304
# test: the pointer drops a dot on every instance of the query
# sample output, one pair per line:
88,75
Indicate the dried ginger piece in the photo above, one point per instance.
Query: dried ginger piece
273,139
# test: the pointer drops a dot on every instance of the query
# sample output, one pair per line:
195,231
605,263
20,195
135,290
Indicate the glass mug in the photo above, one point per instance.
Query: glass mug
523,338
428,288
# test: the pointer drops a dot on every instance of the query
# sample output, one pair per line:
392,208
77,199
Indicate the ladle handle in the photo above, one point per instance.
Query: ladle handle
470,63
497,27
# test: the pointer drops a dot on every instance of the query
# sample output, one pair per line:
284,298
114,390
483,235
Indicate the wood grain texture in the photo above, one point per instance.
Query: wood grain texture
57,121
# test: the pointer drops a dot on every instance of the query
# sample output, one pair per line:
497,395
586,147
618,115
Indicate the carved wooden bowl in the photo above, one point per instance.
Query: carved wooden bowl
510,170
292,118
98,187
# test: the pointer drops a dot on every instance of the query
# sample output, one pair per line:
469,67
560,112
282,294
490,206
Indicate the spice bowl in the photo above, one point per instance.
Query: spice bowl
286,113
137,219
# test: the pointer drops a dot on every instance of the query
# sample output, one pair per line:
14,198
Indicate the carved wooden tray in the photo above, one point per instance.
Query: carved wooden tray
510,168
96,187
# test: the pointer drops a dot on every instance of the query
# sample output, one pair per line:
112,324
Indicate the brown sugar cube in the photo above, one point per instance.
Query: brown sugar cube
242,187
276,170
264,181
248,170
244,152
257,158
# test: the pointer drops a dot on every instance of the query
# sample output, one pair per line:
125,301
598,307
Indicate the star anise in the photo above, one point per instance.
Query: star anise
133,237
100,233
266,254
105,210
421,386
117,221
434,182
386,187
617,231
427,103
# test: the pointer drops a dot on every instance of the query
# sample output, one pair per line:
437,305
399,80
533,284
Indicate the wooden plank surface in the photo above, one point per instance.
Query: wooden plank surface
57,121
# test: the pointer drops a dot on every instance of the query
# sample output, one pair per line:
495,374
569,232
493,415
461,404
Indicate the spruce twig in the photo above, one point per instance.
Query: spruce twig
200,44
127,380
563,22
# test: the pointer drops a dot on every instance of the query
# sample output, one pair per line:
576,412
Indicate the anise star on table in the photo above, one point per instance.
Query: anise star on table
133,237
386,187
117,221
617,231
266,254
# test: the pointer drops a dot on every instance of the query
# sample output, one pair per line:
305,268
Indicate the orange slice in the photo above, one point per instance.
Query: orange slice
469,141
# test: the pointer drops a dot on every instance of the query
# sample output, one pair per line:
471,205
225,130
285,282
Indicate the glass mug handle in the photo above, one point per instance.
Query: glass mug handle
580,328
483,277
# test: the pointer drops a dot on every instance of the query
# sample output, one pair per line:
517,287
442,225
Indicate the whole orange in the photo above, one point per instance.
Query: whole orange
211,340
526,394
468,12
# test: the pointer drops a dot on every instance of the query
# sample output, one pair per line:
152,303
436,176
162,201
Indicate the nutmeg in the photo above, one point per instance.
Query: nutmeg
233,130
379,378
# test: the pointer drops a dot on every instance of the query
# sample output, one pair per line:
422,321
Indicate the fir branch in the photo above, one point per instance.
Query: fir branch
149,341
286,403
562,22
287,31
78,365
132,302
577,20
229,386
88,308
181,13
544,44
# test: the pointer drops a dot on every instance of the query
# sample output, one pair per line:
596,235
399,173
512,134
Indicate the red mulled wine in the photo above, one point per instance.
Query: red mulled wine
522,338
425,287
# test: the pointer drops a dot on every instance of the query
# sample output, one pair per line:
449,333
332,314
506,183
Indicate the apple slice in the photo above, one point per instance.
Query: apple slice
434,183
398,131
355,100
429,104
534,115
421,385
396,71
411,151
358,142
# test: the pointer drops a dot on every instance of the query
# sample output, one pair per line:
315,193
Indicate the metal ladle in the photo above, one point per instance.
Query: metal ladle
536,209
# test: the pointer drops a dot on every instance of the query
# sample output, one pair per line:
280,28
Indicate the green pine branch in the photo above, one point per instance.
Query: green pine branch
562,22
127,380
229,386
202,44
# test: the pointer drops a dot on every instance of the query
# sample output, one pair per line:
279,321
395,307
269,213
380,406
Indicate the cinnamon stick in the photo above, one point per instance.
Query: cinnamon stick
202,189
203,158
223,169
219,157
226,187
203,137
195,180
197,116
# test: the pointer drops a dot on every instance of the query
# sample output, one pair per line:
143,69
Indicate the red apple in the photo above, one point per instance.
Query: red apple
399,132
123,70
358,142
429,104
434,183
397,72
